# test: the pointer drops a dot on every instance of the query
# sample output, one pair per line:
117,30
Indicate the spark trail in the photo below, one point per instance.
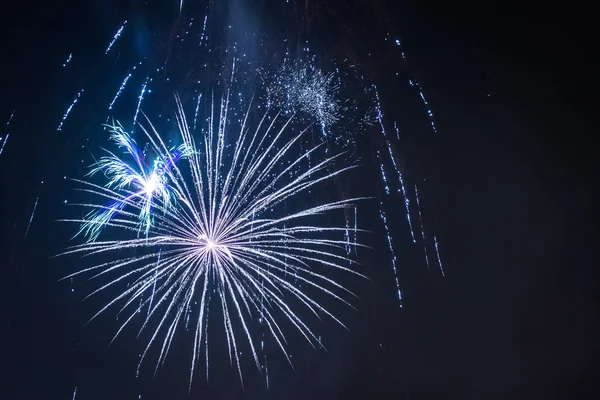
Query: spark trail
3,141
114,39
403,189
66,114
422,227
391,246
32,214
225,241
437,251
121,88
68,60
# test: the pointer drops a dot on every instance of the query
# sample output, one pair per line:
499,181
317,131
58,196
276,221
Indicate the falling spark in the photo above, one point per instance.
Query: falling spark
68,60
4,142
203,29
140,98
32,214
397,131
403,189
197,108
437,251
385,182
11,117
115,37
68,111
121,88
213,251
422,228
379,112
74,393
389,239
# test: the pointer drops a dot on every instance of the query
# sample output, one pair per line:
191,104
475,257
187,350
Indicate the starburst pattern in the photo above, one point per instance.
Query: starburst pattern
147,183
225,242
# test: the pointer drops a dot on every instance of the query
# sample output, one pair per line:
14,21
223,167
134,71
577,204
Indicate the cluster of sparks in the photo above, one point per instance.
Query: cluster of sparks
303,88
214,238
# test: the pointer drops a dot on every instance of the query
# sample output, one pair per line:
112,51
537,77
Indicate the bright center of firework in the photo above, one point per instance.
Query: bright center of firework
210,244
151,184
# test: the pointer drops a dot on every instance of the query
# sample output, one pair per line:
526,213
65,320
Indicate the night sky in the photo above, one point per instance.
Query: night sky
508,188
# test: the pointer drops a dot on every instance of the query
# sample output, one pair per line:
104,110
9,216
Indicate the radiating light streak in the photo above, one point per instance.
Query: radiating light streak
379,112
211,250
385,182
397,131
74,393
11,117
197,108
115,37
32,214
68,60
355,231
4,142
389,240
403,189
140,98
203,28
68,111
422,227
121,88
437,251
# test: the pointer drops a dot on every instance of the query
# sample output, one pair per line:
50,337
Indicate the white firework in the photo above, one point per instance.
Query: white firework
224,241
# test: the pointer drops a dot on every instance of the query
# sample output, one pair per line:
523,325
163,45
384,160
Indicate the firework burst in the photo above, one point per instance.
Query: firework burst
221,239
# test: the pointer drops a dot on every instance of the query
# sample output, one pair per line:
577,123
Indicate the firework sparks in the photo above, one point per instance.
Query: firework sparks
68,60
305,89
403,190
148,183
222,243
437,252
114,39
391,246
422,227
140,98
3,141
121,88
66,114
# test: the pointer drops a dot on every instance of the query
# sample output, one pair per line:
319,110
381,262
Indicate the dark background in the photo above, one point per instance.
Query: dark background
511,181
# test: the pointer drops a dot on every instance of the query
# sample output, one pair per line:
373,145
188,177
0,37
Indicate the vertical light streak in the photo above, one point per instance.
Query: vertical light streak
140,98
385,182
397,131
115,37
389,239
355,231
437,251
68,111
203,29
379,112
121,88
74,393
197,108
4,142
422,228
32,214
403,189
